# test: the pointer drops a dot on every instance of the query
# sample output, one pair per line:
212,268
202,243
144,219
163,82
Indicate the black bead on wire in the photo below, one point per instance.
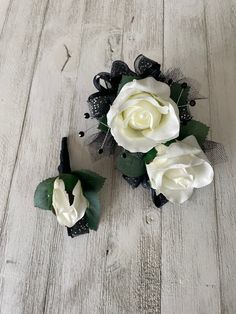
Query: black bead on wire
86,115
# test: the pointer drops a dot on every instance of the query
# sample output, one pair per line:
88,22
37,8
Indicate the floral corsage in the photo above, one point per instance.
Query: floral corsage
144,116
71,196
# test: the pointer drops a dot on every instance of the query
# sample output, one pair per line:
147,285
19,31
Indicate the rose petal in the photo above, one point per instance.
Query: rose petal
178,169
68,215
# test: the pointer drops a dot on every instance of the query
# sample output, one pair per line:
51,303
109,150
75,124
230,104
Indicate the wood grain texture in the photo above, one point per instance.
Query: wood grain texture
190,273
134,262
180,259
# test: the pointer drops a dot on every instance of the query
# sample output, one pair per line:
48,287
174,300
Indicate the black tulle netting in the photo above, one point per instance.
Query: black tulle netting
107,84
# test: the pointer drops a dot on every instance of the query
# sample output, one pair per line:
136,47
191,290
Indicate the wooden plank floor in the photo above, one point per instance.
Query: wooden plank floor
177,260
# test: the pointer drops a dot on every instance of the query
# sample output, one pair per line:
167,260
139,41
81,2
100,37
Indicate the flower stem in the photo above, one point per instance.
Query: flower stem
64,166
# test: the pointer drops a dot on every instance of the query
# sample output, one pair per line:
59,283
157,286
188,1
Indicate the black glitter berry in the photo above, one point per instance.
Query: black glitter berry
86,115
100,151
170,81
124,155
184,85
81,134
192,103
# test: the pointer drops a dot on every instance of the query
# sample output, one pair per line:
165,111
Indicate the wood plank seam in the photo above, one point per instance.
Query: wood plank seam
214,181
161,209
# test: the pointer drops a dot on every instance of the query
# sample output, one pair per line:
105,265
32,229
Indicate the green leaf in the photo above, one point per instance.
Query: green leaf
179,94
70,181
132,165
90,180
196,128
103,124
126,79
43,194
93,212
149,156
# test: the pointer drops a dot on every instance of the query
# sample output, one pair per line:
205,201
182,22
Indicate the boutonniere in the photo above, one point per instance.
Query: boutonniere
72,196
145,116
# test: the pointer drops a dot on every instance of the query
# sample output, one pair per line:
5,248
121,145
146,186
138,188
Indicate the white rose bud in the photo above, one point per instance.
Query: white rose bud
178,169
68,215
143,115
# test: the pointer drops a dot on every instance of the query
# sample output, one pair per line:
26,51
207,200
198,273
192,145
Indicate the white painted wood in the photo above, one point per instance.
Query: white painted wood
190,276
19,40
133,265
221,32
5,9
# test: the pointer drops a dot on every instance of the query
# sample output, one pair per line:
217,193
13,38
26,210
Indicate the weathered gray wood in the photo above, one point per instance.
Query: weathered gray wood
19,37
32,245
180,259
133,264
190,279
221,46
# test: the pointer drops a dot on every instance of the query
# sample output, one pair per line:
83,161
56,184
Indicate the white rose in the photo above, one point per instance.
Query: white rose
68,215
178,169
143,115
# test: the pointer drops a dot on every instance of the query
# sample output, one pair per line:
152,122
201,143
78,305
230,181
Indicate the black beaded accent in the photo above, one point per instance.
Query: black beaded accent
192,103
86,115
184,114
184,85
170,81
100,151
81,134
81,227
124,155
